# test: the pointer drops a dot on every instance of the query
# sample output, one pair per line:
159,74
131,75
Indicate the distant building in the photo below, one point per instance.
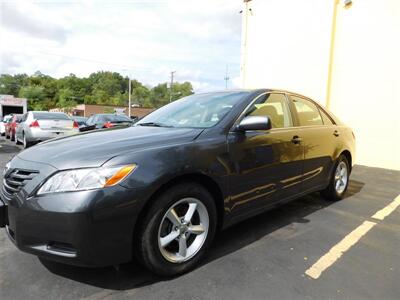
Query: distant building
11,105
86,110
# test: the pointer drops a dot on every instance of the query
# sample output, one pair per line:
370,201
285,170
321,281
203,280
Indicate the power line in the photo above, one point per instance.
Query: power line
92,60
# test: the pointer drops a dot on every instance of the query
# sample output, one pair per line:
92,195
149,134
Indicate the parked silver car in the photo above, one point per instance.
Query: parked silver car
38,126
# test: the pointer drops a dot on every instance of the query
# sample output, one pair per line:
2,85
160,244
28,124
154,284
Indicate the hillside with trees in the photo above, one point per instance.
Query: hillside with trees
108,88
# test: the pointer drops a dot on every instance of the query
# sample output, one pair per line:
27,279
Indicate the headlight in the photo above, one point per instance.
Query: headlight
85,179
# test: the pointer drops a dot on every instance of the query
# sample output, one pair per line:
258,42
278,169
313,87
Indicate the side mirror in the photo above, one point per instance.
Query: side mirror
254,123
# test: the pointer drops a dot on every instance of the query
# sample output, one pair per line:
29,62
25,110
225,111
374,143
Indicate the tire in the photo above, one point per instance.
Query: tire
339,181
25,143
157,229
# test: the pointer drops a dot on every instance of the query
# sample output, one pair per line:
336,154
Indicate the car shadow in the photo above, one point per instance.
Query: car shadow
6,147
132,275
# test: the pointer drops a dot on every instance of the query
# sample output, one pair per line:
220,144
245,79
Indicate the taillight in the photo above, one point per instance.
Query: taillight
34,124
108,124
76,125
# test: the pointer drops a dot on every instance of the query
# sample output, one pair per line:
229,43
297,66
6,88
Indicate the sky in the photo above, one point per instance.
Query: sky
143,39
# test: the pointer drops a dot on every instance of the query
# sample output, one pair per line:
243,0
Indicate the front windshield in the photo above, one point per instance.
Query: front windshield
197,111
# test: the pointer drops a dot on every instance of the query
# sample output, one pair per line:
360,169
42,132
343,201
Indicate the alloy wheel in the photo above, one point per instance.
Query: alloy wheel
341,177
183,230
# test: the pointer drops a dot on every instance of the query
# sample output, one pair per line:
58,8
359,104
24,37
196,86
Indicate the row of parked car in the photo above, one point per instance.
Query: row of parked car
37,126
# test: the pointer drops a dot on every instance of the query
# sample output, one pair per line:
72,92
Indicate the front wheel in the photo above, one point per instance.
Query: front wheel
339,180
177,230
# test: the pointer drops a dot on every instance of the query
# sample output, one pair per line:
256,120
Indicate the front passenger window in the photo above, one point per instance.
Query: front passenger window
275,107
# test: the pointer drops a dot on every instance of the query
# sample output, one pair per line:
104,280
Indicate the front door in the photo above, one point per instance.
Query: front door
266,165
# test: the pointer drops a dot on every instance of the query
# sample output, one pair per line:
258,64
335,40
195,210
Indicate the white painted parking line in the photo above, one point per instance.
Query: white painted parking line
337,251
384,212
348,241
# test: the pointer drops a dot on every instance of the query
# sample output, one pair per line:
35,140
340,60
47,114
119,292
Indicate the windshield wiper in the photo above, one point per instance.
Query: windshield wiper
154,124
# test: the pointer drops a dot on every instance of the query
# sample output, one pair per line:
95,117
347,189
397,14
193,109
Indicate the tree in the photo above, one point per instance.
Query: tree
10,85
66,99
80,87
107,88
35,95
180,90
159,95
140,94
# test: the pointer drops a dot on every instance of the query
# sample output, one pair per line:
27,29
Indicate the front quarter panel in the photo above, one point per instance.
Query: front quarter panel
158,165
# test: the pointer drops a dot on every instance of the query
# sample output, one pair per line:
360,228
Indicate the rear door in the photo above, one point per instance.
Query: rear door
267,164
317,133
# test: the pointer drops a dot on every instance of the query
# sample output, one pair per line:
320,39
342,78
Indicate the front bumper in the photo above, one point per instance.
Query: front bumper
88,228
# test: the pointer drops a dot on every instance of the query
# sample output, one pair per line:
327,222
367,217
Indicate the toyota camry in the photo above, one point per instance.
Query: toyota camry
159,191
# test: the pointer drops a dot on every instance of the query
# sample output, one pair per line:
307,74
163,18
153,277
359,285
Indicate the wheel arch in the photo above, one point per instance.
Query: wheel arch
349,158
207,182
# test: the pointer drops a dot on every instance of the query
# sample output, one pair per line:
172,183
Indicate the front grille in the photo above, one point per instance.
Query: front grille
15,179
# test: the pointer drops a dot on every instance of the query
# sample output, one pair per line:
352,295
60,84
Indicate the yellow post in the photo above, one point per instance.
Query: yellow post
331,54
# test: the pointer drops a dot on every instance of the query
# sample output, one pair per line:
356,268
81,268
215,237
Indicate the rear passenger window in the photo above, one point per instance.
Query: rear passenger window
275,107
307,112
325,118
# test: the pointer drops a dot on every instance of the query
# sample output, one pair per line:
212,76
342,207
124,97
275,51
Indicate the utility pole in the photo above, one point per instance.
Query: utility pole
129,99
170,87
226,77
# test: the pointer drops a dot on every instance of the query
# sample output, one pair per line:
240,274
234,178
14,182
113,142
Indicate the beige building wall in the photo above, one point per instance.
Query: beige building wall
288,47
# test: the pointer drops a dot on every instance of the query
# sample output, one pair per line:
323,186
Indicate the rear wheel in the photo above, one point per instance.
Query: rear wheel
25,141
177,230
339,180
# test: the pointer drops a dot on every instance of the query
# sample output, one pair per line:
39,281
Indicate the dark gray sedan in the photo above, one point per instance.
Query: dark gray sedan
160,190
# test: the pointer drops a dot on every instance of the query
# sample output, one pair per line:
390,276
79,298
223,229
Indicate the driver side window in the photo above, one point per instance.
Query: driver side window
275,107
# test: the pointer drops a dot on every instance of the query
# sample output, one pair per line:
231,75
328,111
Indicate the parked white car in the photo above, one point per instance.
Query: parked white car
2,124
39,126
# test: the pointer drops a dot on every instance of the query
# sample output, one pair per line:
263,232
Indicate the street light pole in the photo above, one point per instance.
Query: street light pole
170,87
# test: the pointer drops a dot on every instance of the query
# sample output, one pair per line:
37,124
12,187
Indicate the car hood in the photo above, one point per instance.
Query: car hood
92,149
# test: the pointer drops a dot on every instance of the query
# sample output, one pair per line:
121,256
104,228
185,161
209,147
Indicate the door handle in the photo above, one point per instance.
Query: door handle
336,133
296,139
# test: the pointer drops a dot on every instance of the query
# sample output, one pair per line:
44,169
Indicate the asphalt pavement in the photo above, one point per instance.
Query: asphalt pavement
265,257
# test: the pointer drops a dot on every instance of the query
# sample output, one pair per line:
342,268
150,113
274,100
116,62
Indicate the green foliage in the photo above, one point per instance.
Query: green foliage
10,85
35,95
108,88
66,99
